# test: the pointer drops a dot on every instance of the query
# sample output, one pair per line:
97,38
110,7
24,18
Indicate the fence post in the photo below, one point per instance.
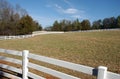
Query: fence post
102,72
25,64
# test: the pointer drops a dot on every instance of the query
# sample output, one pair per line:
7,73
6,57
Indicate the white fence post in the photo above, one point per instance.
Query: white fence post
25,64
102,72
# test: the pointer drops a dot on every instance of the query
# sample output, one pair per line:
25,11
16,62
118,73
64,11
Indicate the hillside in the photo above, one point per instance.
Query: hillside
87,48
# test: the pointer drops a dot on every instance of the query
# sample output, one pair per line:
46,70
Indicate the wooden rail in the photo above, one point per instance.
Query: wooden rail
29,35
101,72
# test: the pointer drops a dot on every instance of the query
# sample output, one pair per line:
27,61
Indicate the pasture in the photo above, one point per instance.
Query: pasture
86,48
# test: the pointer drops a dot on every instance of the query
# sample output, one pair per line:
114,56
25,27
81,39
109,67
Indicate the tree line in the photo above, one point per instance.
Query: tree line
67,25
15,20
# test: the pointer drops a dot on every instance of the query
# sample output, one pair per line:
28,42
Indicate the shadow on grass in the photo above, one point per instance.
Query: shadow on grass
10,72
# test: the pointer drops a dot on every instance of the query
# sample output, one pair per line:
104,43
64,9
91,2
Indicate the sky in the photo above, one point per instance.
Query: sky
47,11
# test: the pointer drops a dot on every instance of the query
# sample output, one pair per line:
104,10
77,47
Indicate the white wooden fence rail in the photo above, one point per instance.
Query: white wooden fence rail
101,72
15,37
29,35
35,33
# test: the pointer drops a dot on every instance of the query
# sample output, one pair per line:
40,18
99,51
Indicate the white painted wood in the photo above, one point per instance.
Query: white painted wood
10,76
25,64
2,50
102,72
52,72
11,68
40,68
69,65
111,75
34,76
31,75
35,33
15,37
27,36
16,61
13,52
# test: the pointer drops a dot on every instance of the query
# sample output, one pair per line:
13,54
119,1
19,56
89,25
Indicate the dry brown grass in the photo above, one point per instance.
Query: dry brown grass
87,48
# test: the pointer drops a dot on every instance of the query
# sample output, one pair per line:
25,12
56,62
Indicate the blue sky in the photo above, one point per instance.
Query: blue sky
47,11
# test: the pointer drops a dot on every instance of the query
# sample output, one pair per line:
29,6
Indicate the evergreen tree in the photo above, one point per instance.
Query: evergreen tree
15,20
97,24
76,25
118,22
85,25
26,25
56,26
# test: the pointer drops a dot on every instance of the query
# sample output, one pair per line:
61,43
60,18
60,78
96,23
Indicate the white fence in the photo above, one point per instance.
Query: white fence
101,72
16,37
35,33
45,32
30,35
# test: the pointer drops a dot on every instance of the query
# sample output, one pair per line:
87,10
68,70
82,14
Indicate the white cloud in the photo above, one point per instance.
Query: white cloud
68,3
71,11
66,11
57,6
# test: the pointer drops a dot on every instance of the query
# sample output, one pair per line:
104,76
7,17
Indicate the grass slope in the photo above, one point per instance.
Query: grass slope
87,48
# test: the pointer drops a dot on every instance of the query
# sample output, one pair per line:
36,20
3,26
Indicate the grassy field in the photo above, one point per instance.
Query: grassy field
87,48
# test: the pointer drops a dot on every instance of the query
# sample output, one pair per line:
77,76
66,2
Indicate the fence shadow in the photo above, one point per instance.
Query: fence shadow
1,73
1,70
8,71
95,72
